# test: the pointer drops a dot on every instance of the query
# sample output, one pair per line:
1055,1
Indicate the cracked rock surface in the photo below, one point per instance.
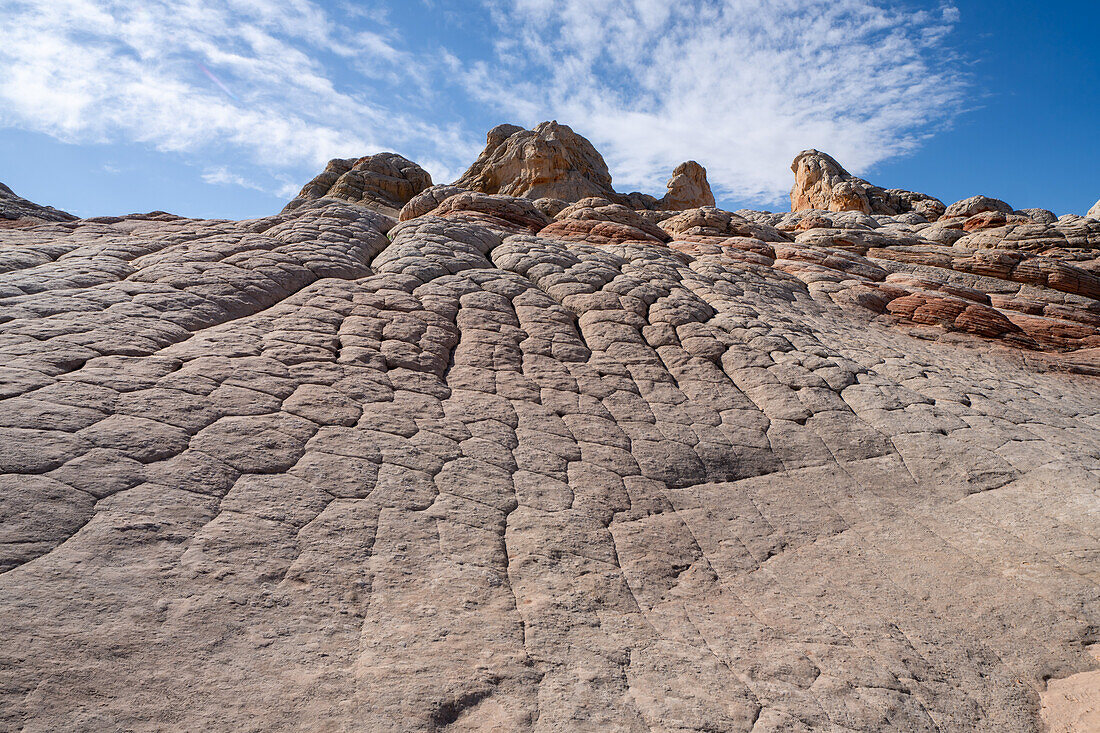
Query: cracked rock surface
488,469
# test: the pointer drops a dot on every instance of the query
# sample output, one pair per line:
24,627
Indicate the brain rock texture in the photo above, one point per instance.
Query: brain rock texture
494,468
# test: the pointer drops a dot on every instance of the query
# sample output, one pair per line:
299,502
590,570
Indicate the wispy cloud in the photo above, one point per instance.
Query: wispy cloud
222,176
274,88
740,85
192,76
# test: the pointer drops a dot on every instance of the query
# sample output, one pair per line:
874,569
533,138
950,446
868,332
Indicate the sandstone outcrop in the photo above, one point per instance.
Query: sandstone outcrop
553,162
550,161
599,221
687,189
536,465
384,182
976,205
1038,216
822,183
427,200
1094,212
711,222
16,211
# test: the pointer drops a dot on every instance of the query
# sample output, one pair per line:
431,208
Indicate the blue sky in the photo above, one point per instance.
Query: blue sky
224,109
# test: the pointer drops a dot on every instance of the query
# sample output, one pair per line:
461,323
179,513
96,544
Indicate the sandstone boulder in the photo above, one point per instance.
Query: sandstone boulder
822,183
549,161
687,189
601,221
976,205
1039,216
551,207
900,202
708,221
498,211
642,201
384,182
427,200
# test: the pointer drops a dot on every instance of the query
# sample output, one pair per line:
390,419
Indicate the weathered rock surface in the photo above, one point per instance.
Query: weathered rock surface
550,161
1094,212
554,162
687,189
16,211
427,200
384,182
822,183
522,466
976,205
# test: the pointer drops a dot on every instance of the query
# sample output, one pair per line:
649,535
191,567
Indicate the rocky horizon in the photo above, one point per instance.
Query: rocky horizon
524,452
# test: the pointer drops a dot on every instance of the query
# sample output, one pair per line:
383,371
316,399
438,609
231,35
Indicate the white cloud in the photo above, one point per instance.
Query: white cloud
280,186
274,88
222,176
740,85
190,76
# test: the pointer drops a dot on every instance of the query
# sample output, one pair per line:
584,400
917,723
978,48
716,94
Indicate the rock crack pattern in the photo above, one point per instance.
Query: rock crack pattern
505,465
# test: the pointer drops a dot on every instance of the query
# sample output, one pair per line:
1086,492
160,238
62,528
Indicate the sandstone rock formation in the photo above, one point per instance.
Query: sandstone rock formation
497,468
1038,216
384,182
427,200
687,189
599,221
1094,212
16,211
976,205
553,162
822,183
550,161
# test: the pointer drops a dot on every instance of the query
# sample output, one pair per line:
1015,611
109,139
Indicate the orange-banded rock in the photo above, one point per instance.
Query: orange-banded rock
594,210
956,314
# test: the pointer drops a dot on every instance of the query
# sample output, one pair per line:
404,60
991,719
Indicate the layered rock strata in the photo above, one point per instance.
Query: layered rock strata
510,465
550,161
